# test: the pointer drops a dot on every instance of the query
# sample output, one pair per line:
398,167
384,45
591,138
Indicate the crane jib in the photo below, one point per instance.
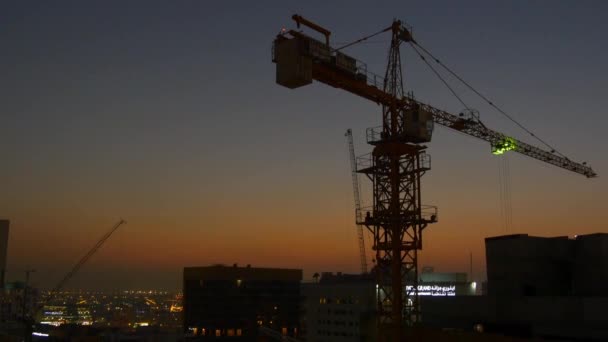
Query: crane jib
502,143
320,62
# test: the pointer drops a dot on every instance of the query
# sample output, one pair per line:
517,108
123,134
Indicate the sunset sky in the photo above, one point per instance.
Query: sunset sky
166,113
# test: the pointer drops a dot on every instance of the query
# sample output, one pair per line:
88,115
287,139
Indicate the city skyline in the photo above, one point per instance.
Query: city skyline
168,116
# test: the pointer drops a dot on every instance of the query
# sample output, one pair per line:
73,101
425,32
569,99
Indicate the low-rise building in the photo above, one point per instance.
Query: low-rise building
233,302
339,307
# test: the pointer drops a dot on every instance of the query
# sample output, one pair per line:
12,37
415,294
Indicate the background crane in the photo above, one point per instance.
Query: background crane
398,160
358,214
30,320
84,260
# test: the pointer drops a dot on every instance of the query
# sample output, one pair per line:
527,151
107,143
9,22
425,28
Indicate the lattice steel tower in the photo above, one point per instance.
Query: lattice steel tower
397,218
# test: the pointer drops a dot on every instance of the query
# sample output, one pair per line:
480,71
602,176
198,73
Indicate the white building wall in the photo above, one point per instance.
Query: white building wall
339,312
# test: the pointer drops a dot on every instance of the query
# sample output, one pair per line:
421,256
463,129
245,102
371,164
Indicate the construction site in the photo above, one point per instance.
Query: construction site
397,217
528,288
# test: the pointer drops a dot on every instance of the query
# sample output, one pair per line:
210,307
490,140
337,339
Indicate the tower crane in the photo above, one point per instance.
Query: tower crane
358,214
398,159
30,320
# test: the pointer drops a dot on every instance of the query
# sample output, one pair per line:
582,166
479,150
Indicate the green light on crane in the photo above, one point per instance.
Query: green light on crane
506,144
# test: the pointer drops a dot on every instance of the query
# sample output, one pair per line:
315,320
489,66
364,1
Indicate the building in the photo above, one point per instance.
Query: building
538,287
342,307
431,283
15,298
522,265
233,302
339,307
590,265
4,224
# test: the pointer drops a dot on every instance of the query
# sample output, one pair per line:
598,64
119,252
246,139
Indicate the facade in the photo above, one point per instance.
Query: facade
538,287
342,307
233,302
439,284
15,298
522,265
4,224
339,307
590,266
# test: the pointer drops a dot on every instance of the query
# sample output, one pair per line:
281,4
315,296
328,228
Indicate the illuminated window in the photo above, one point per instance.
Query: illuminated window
239,332
218,332
284,331
239,282
230,332
204,332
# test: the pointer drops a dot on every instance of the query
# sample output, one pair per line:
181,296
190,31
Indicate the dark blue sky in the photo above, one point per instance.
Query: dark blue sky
167,113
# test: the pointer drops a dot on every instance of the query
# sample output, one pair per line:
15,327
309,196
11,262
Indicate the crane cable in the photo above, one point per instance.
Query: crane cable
414,42
504,182
362,39
440,77
508,202
504,174
553,150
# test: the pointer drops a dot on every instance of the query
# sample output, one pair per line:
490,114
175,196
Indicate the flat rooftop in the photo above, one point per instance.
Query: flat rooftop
222,272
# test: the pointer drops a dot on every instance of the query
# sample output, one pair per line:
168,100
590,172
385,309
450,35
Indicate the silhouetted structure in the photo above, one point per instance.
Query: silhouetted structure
232,302
537,287
522,265
4,224
398,160
17,299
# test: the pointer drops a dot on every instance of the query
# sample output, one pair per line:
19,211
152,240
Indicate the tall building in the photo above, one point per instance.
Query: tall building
523,265
542,287
16,300
4,224
233,302
590,265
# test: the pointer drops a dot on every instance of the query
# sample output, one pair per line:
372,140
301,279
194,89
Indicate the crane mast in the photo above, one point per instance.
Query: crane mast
398,160
358,213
